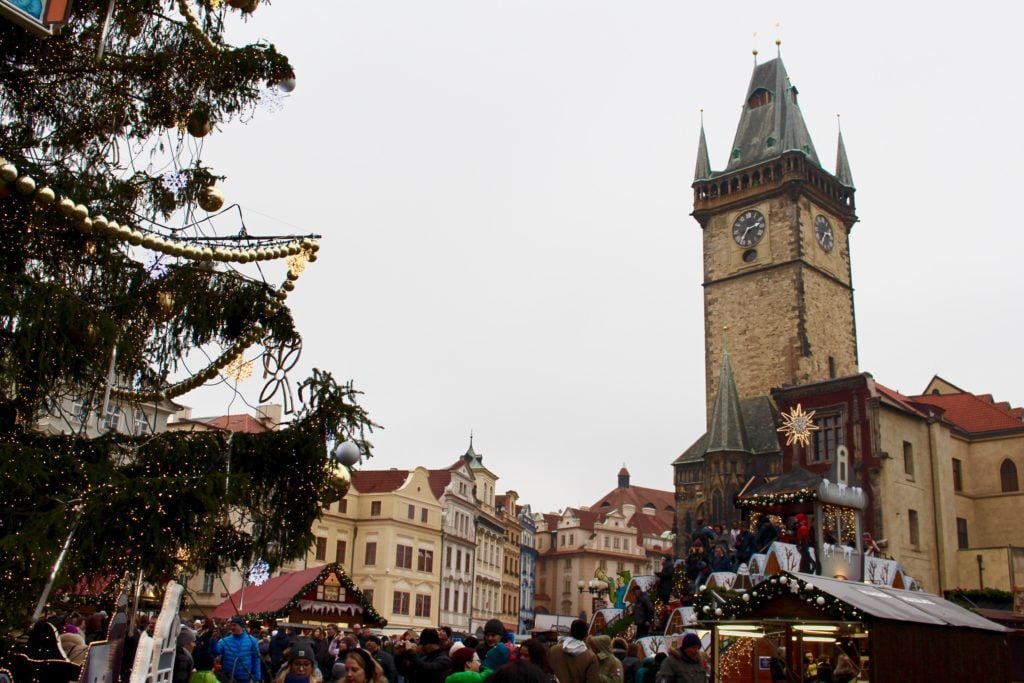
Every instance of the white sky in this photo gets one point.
(503, 190)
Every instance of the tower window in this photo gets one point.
(770, 142)
(1008, 476)
(958, 475)
(736, 153)
(915, 534)
(759, 98)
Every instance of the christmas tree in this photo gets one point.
(125, 281)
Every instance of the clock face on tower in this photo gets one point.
(823, 231)
(748, 228)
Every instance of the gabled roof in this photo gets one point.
(587, 518)
(975, 414)
(777, 126)
(439, 480)
(242, 423)
(379, 481)
(898, 400)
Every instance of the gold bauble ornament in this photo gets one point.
(8, 172)
(45, 195)
(338, 483)
(199, 123)
(25, 185)
(211, 198)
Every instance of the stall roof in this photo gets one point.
(270, 596)
(884, 602)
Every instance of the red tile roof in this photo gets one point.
(975, 414)
(270, 596)
(243, 423)
(664, 503)
(900, 400)
(439, 480)
(378, 481)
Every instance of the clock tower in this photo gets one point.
(776, 225)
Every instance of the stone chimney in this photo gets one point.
(269, 414)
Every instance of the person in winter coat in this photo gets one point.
(239, 654)
(183, 664)
(685, 665)
(429, 665)
(643, 614)
(571, 660)
(610, 668)
(631, 662)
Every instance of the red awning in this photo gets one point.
(271, 596)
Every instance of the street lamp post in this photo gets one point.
(598, 593)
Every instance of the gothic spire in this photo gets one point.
(703, 170)
(771, 122)
(726, 432)
(843, 174)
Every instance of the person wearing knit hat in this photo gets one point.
(494, 630)
(428, 665)
(685, 665)
(183, 664)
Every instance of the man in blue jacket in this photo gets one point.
(239, 654)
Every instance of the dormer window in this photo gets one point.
(759, 98)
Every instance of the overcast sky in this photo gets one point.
(503, 190)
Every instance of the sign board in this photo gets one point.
(39, 16)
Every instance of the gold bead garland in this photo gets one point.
(300, 250)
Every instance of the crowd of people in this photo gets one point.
(241, 653)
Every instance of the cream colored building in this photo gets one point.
(396, 545)
(628, 529)
(490, 543)
(511, 564)
(454, 489)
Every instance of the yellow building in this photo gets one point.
(395, 546)
(511, 568)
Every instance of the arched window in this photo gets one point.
(1008, 476)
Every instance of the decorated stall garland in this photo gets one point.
(715, 605)
(371, 615)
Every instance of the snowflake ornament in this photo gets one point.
(175, 181)
(272, 99)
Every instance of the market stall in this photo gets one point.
(318, 595)
(884, 634)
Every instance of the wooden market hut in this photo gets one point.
(318, 595)
(898, 636)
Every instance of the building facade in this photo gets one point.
(528, 569)
(940, 470)
(454, 489)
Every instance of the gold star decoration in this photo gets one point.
(797, 426)
(297, 263)
(239, 369)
